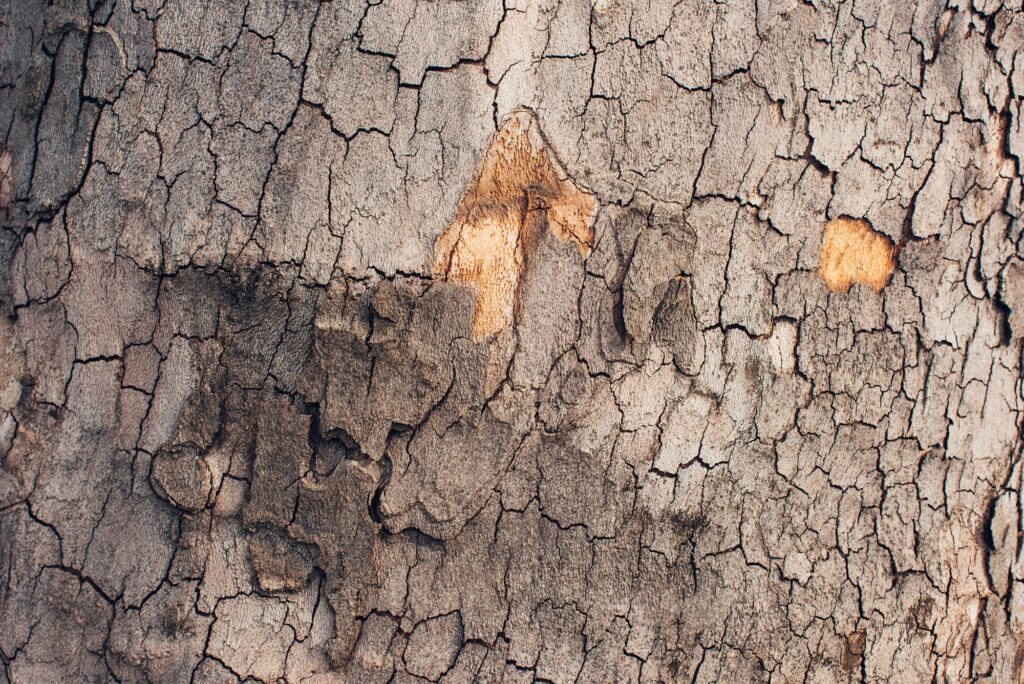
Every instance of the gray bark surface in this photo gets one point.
(511, 341)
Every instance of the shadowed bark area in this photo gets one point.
(511, 341)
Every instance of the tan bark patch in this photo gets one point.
(518, 193)
(944, 21)
(851, 252)
(10, 367)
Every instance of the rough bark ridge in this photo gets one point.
(560, 341)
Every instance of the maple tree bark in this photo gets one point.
(531, 340)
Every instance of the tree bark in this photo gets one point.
(559, 341)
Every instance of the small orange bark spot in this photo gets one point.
(851, 252)
(519, 192)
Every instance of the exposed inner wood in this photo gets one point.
(852, 252)
(518, 193)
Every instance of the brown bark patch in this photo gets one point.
(519, 192)
(852, 252)
(5, 183)
(852, 651)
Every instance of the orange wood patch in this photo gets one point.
(517, 194)
(852, 252)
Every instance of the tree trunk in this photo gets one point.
(512, 341)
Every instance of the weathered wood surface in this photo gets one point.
(511, 341)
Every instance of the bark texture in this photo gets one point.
(511, 340)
